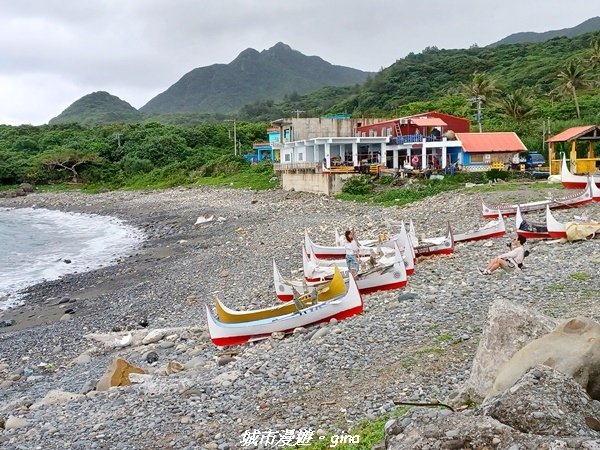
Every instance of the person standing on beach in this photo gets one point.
(352, 252)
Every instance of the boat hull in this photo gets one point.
(224, 334)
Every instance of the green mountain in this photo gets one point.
(97, 108)
(252, 76)
(435, 75)
(588, 26)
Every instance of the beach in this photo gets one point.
(414, 344)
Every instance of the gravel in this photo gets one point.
(414, 345)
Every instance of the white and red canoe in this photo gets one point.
(493, 229)
(567, 201)
(342, 307)
(572, 181)
(338, 251)
(436, 246)
(318, 270)
(556, 229)
(531, 230)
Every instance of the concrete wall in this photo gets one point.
(317, 183)
(310, 128)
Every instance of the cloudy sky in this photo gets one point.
(53, 52)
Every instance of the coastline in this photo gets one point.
(388, 352)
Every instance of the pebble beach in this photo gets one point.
(414, 344)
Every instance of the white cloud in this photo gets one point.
(56, 51)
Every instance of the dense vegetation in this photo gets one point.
(534, 89)
(134, 155)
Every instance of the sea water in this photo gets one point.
(36, 243)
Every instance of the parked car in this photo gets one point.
(534, 159)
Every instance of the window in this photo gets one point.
(300, 156)
(476, 158)
(287, 157)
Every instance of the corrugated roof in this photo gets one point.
(572, 133)
(428, 122)
(502, 141)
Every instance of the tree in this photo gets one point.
(481, 85)
(572, 77)
(594, 54)
(516, 105)
(68, 159)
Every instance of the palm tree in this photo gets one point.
(480, 89)
(573, 76)
(594, 54)
(481, 85)
(516, 105)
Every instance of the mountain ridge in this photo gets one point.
(590, 25)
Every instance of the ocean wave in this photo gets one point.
(42, 245)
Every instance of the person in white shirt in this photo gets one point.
(352, 252)
(509, 260)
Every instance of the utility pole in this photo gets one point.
(297, 111)
(234, 135)
(477, 100)
(118, 135)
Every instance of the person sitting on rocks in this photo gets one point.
(509, 260)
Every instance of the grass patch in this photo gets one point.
(580, 276)
(557, 287)
(369, 432)
(512, 186)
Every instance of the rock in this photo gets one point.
(65, 317)
(509, 328)
(151, 357)
(14, 423)
(224, 360)
(84, 358)
(67, 261)
(117, 374)
(57, 397)
(26, 187)
(321, 333)
(573, 348)
(278, 335)
(154, 336)
(6, 323)
(174, 367)
(532, 403)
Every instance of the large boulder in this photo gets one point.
(117, 374)
(509, 328)
(573, 348)
(545, 401)
(545, 409)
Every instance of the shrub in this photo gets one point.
(496, 174)
(359, 185)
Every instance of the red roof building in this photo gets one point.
(580, 145)
(482, 151)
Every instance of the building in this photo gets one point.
(421, 140)
(300, 129)
(266, 150)
(580, 145)
(483, 151)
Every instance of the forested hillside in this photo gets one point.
(98, 107)
(136, 155)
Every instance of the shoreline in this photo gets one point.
(95, 250)
(412, 347)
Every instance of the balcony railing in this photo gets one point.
(413, 138)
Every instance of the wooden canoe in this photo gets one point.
(531, 230)
(567, 201)
(493, 229)
(572, 181)
(345, 306)
(327, 291)
(556, 229)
